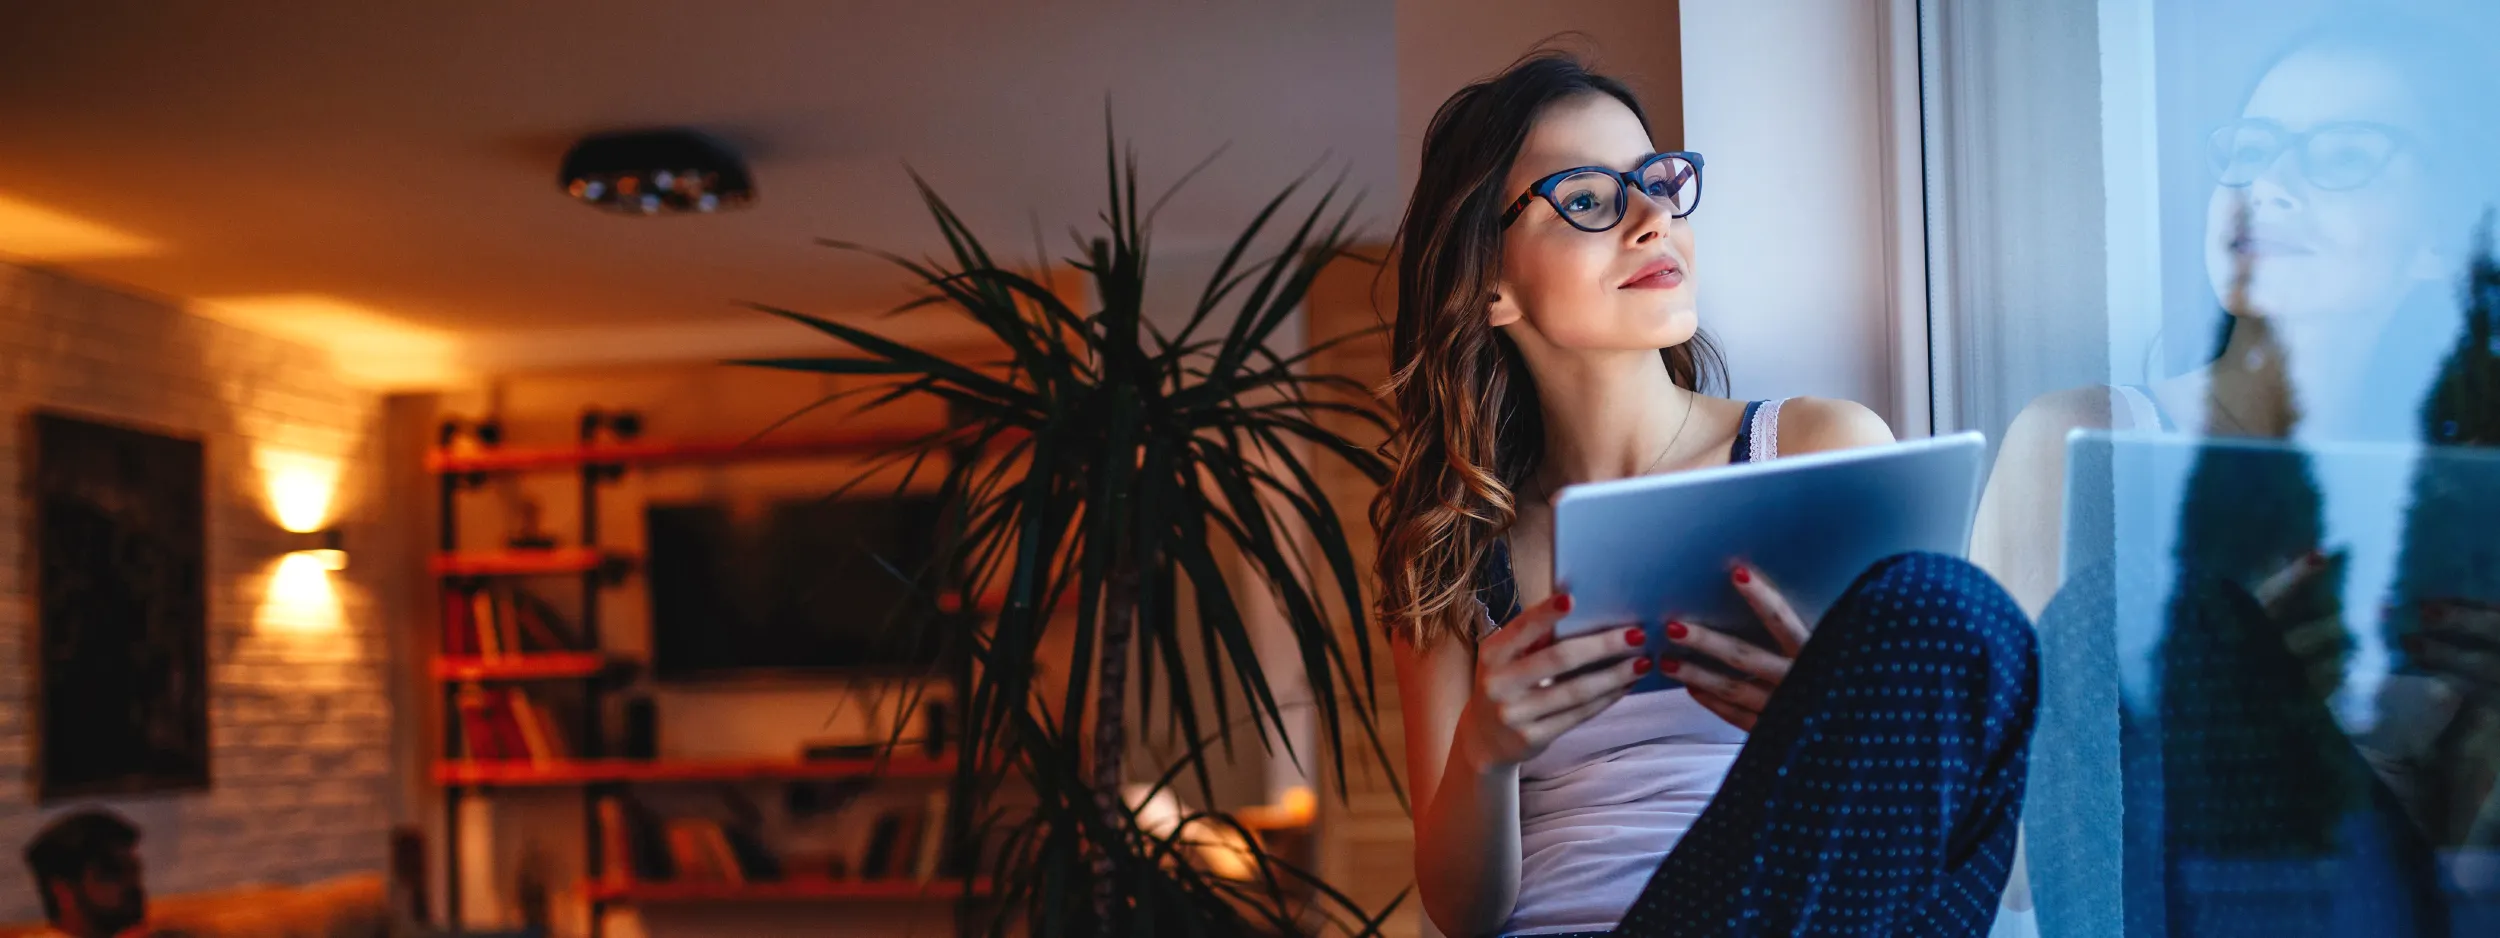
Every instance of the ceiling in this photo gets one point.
(380, 178)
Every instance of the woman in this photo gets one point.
(1546, 336)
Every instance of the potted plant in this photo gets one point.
(1099, 463)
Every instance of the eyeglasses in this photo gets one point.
(1592, 198)
(2335, 157)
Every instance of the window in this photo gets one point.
(2242, 247)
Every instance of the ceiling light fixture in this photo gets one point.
(648, 172)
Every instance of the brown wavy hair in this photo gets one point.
(1469, 432)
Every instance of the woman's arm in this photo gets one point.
(2019, 536)
(1474, 712)
(1466, 815)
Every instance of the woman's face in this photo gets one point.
(2319, 252)
(1629, 287)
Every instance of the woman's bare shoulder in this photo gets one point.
(1819, 424)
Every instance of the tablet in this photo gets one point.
(2401, 519)
(1650, 548)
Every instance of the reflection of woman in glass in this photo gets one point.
(2332, 241)
(2337, 195)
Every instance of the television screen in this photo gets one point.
(809, 585)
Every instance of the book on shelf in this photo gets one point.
(554, 731)
(647, 843)
(539, 728)
(640, 847)
(507, 632)
(879, 849)
(616, 844)
(754, 859)
(505, 724)
(477, 734)
(541, 629)
(685, 855)
(742, 831)
(924, 867)
(526, 723)
(498, 621)
(551, 739)
(482, 620)
(715, 845)
(702, 851)
(508, 725)
(893, 843)
(459, 635)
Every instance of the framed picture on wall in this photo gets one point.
(121, 604)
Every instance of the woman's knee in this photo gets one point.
(1921, 595)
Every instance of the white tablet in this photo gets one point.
(1651, 548)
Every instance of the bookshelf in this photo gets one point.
(511, 563)
(538, 666)
(517, 773)
(503, 645)
(862, 442)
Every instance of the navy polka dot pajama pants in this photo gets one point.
(1880, 791)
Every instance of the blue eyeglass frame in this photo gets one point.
(1631, 181)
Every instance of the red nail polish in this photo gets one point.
(1669, 665)
(1562, 602)
(1634, 636)
(1675, 630)
(1640, 666)
(1742, 575)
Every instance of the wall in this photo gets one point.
(1444, 44)
(299, 712)
(1781, 97)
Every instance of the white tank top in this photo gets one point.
(1602, 805)
(1605, 802)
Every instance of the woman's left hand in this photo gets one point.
(1740, 697)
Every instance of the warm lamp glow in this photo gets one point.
(37, 233)
(300, 488)
(1220, 848)
(1298, 805)
(1294, 807)
(301, 597)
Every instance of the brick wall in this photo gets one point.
(300, 727)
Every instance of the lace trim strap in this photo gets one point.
(1765, 432)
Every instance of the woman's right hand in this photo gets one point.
(2313, 631)
(1522, 701)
